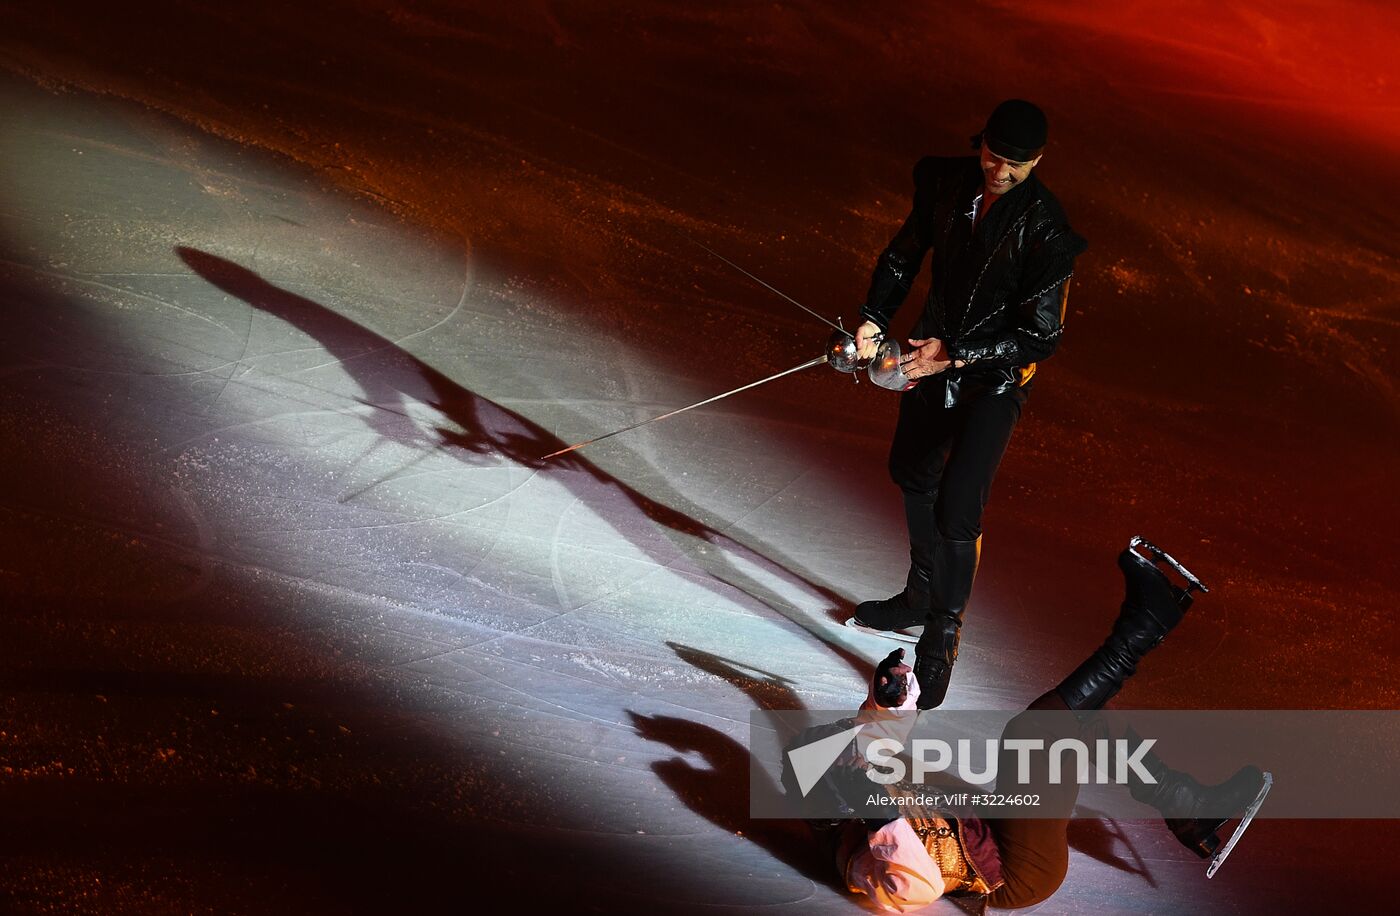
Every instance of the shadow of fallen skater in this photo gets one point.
(724, 792)
(1100, 838)
(721, 792)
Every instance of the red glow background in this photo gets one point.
(1228, 377)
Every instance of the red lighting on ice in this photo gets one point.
(1333, 61)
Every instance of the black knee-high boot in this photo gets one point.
(954, 569)
(910, 607)
(1152, 606)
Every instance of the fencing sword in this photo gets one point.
(822, 318)
(840, 354)
(807, 365)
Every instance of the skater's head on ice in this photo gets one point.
(1011, 145)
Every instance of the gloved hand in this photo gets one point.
(890, 685)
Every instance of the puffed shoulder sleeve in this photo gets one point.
(895, 870)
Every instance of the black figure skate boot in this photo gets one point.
(955, 568)
(1194, 812)
(1152, 606)
(899, 612)
(910, 607)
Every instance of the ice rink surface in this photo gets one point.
(295, 618)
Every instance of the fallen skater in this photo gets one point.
(908, 859)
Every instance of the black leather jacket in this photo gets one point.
(998, 295)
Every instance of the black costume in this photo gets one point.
(997, 302)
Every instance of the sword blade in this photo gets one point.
(767, 285)
(807, 365)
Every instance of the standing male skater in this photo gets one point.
(1003, 253)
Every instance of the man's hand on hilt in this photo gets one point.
(891, 683)
(868, 337)
(925, 357)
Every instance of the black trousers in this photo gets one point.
(949, 455)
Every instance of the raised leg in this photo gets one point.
(1152, 607)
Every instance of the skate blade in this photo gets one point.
(1249, 813)
(1157, 553)
(897, 635)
